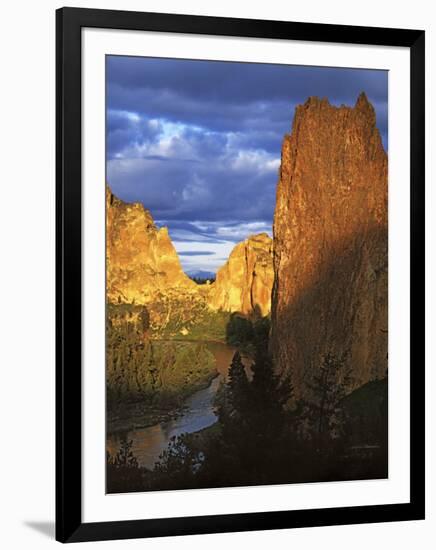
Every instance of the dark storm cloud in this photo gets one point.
(198, 142)
(222, 95)
(242, 82)
(174, 191)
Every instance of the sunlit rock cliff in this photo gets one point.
(143, 268)
(140, 258)
(245, 281)
(331, 244)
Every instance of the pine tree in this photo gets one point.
(270, 392)
(269, 395)
(238, 385)
(329, 387)
(233, 404)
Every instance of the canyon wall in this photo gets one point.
(243, 284)
(143, 268)
(141, 260)
(330, 292)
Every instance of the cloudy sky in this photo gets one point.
(198, 142)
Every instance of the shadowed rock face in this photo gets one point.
(140, 258)
(331, 244)
(245, 281)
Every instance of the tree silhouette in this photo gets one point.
(239, 331)
(125, 456)
(238, 385)
(270, 391)
(328, 387)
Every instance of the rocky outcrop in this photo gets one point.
(331, 244)
(141, 260)
(143, 268)
(245, 281)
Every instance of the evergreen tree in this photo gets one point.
(238, 386)
(233, 398)
(269, 395)
(239, 331)
(261, 330)
(270, 392)
(329, 387)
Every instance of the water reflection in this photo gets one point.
(148, 443)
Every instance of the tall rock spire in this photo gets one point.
(331, 244)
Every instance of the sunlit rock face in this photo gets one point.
(141, 260)
(245, 281)
(331, 244)
(143, 267)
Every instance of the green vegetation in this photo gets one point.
(203, 280)
(259, 441)
(123, 470)
(263, 436)
(124, 456)
(210, 326)
(247, 334)
(186, 317)
(366, 412)
(158, 374)
(323, 410)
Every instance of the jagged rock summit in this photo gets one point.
(143, 267)
(243, 284)
(331, 244)
(140, 258)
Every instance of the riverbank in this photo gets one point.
(149, 443)
(148, 379)
(152, 428)
(134, 416)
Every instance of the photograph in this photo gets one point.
(217, 219)
(246, 274)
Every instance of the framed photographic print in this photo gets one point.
(240, 274)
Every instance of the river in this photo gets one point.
(198, 413)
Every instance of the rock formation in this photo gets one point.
(140, 258)
(331, 244)
(143, 268)
(245, 281)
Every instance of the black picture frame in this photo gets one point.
(69, 525)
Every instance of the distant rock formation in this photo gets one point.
(331, 244)
(142, 267)
(245, 281)
(140, 258)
